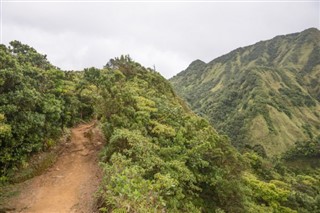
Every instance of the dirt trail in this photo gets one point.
(69, 185)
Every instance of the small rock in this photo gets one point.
(85, 153)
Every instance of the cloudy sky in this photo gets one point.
(164, 34)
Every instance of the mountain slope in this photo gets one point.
(266, 94)
(159, 156)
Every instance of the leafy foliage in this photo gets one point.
(160, 156)
(37, 101)
(275, 186)
(305, 149)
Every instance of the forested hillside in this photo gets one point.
(37, 102)
(159, 155)
(264, 96)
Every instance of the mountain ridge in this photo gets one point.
(276, 78)
(158, 156)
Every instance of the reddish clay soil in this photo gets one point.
(70, 184)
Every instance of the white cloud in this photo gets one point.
(167, 35)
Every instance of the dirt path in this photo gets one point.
(70, 184)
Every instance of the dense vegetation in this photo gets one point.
(37, 102)
(264, 96)
(159, 156)
(304, 149)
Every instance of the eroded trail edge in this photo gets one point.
(69, 185)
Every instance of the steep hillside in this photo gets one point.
(158, 157)
(264, 96)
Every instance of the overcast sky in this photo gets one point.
(169, 35)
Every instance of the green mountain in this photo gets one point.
(265, 96)
(159, 156)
